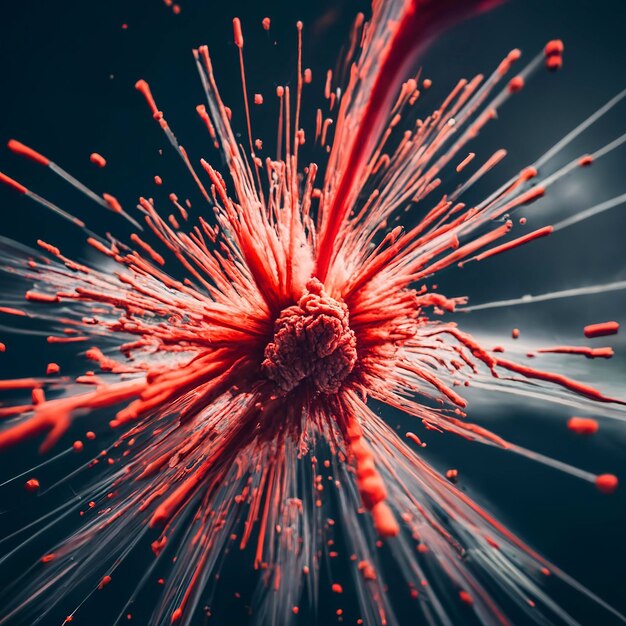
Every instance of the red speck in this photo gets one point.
(583, 425)
(31, 485)
(516, 84)
(104, 582)
(97, 159)
(466, 597)
(607, 483)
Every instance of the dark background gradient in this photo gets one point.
(67, 75)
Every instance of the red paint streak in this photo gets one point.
(558, 379)
(29, 153)
(514, 243)
(420, 22)
(12, 183)
(601, 330)
(590, 353)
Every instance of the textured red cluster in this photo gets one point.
(312, 342)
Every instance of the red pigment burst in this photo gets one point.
(243, 392)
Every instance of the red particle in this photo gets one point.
(113, 203)
(237, 32)
(295, 610)
(266, 23)
(97, 159)
(144, 89)
(384, 520)
(2, 347)
(554, 62)
(415, 439)
(176, 9)
(466, 597)
(427, 83)
(554, 47)
(176, 615)
(104, 582)
(452, 475)
(31, 485)
(53, 368)
(583, 425)
(337, 588)
(515, 333)
(516, 84)
(308, 76)
(465, 162)
(367, 570)
(90, 435)
(258, 98)
(601, 329)
(124, 26)
(78, 445)
(554, 54)
(606, 483)
(585, 161)
(158, 180)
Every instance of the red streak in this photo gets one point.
(19, 148)
(12, 183)
(601, 329)
(420, 22)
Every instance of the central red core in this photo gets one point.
(312, 343)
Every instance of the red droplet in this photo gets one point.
(97, 159)
(582, 425)
(606, 483)
(32, 484)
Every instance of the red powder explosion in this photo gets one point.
(243, 393)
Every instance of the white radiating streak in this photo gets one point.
(613, 412)
(37, 467)
(553, 295)
(590, 212)
(580, 129)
